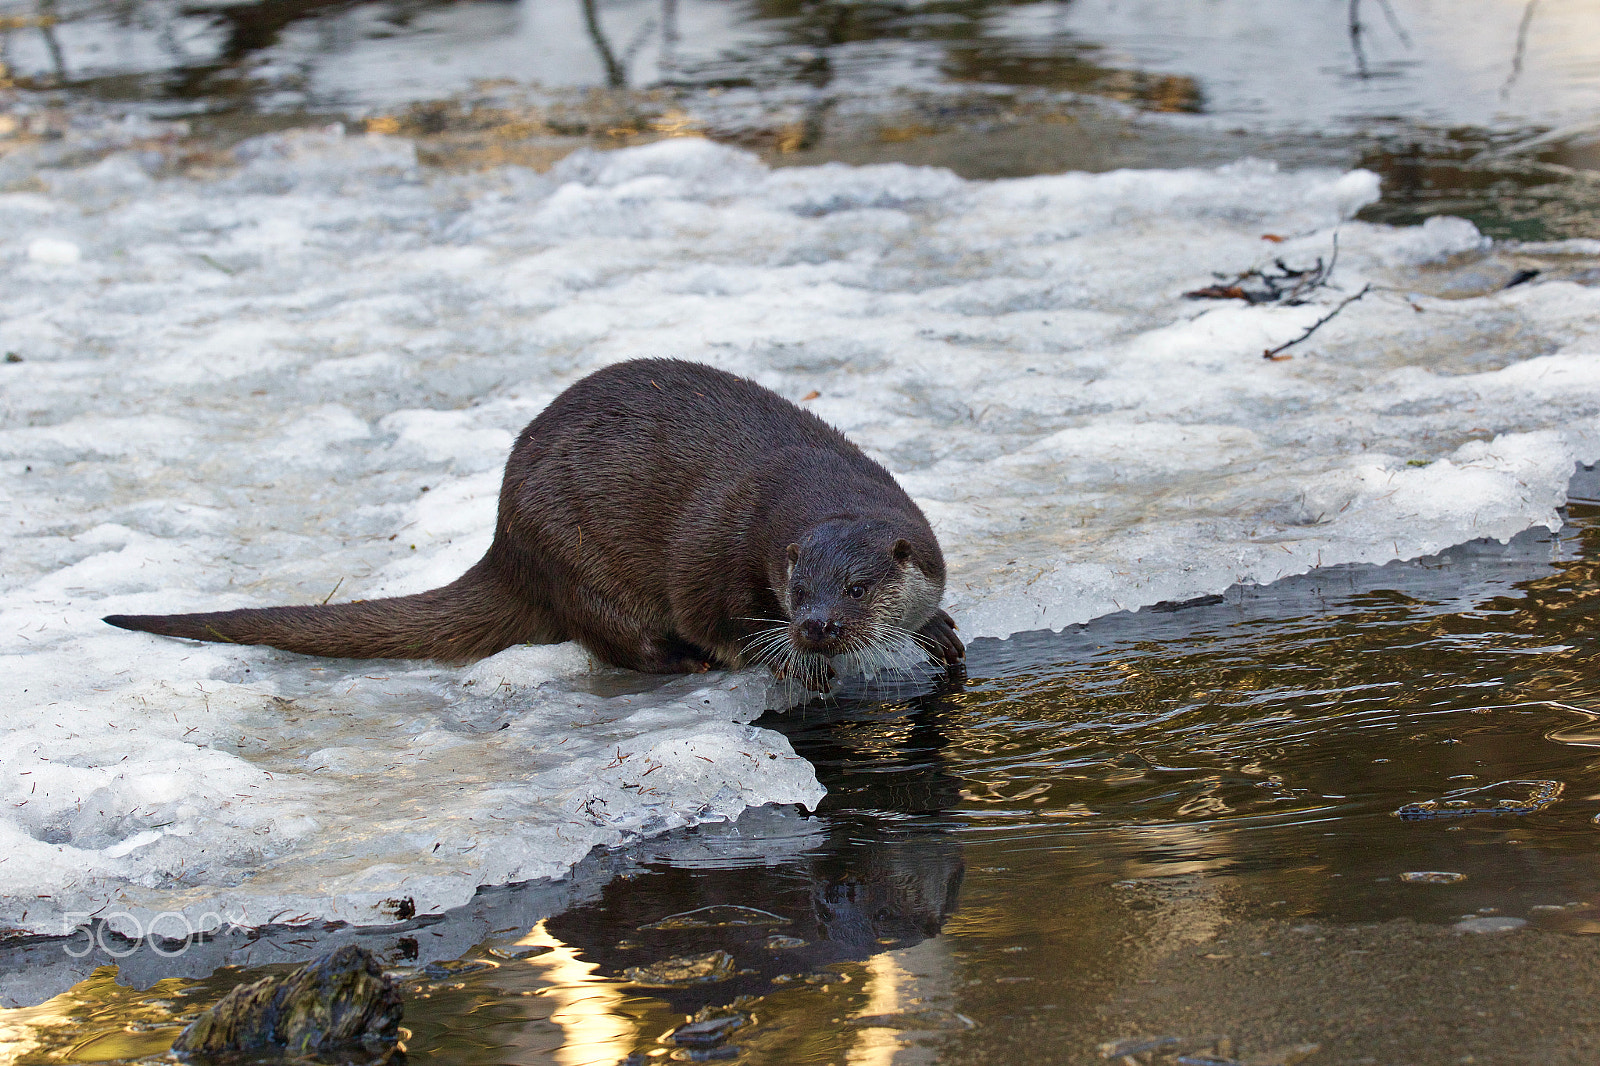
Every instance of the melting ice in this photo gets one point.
(298, 377)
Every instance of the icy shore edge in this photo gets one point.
(303, 375)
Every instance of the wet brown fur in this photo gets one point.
(647, 513)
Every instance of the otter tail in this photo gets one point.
(473, 616)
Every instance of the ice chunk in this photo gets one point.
(1437, 238)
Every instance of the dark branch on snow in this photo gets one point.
(1275, 354)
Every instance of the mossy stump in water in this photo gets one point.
(341, 1000)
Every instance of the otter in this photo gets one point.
(670, 517)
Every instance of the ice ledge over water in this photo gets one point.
(370, 797)
(300, 378)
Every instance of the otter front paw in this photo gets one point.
(673, 656)
(938, 638)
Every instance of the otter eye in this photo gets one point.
(855, 592)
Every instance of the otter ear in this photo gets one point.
(793, 553)
(901, 550)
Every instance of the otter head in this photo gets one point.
(855, 586)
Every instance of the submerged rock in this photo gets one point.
(1432, 877)
(683, 970)
(706, 1031)
(1489, 925)
(519, 951)
(457, 967)
(338, 1001)
(932, 1019)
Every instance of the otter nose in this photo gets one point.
(818, 630)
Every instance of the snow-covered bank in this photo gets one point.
(303, 375)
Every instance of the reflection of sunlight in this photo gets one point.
(885, 985)
(18, 1025)
(587, 1008)
(902, 982)
(90, 1022)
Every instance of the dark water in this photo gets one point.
(993, 854)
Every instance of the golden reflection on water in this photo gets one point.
(902, 982)
(885, 983)
(596, 1031)
(96, 1020)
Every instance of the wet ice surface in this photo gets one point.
(300, 379)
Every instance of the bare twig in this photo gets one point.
(616, 75)
(1357, 29)
(47, 29)
(1287, 285)
(1521, 49)
(1394, 23)
(638, 42)
(1275, 354)
(669, 39)
(1355, 38)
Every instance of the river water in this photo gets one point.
(1482, 108)
(1353, 808)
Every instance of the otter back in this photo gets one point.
(646, 512)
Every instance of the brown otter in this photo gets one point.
(669, 517)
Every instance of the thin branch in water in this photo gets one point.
(616, 76)
(1394, 23)
(47, 29)
(1521, 49)
(1355, 39)
(638, 42)
(669, 39)
(1357, 28)
(1276, 354)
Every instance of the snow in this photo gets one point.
(51, 250)
(298, 379)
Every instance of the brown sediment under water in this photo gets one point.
(1353, 810)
